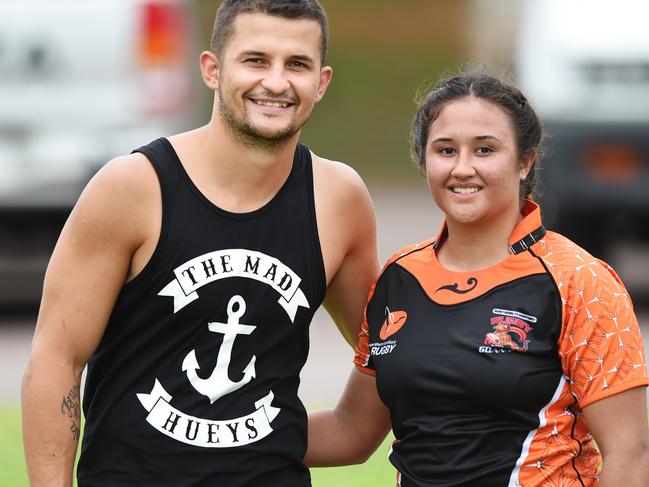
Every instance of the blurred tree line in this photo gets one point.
(382, 52)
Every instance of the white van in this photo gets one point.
(80, 83)
(584, 64)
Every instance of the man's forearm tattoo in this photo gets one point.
(71, 408)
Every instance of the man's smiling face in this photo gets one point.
(270, 77)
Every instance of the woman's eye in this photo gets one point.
(484, 150)
(447, 151)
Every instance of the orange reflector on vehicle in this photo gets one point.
(164, 80)
(612, 163)
(163, 39)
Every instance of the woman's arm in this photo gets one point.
(619, 425)
(352, 431)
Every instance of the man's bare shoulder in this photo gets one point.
(343, 204)
(123, 181)
(127, 173)
(122, 199)
(339, 178)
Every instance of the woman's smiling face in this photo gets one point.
(472, 163)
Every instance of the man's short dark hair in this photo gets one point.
(288, 9)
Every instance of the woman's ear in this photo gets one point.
(526, 167)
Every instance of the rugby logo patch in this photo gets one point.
(393, 323)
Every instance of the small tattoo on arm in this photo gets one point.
(71, 408)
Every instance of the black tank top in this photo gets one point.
(195, 380)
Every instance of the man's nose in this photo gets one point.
(276, 81)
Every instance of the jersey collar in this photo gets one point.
(528, 231)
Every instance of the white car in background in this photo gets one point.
(80, 82)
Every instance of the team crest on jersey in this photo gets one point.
(509, 333)
(394, 321)
(215, 384)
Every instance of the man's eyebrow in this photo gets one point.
(252, 53)
(296, 57)
(302, 57)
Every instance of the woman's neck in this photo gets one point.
(470, 247)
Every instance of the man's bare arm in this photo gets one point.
(90, 263)
(347, 227)
(352, 431)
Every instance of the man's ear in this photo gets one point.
(325, 78)
(210, 69)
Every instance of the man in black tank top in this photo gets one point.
(188, 273)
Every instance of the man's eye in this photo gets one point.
(254, 60)
(297, 64)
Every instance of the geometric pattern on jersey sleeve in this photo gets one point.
(362, 358)
(600, 346)
(562, 452)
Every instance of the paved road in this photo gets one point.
(404, 216)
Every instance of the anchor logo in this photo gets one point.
(218, 384)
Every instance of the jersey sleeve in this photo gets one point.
(601, 347)
(363, 358)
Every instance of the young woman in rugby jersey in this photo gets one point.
(501, 354)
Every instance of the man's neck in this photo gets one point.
(232, 175)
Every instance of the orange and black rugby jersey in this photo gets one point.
(486, 373)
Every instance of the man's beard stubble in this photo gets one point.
(245, 132)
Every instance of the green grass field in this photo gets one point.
(12, 461)
(376, 472)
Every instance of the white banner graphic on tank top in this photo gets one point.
(207, 433)
(223, 264)
(189, 278)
